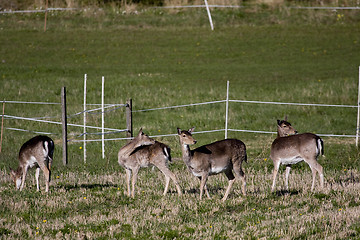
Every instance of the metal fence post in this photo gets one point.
(227, 110)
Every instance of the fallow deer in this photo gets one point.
(157, 154)
(214, 158)
(144, 152)
(36, 152)
(290, 148)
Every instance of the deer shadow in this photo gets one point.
(212, 190)
(281, 193)
(69, 187)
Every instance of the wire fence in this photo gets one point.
(42, 119)
(117, 106)
(129, 111)
(185, 6)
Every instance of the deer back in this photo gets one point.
(150, 154)
(40, 147)
(221, 152)
(302, 145)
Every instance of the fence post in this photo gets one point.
(85, 79)
(209, 15)
(2, 125)
(358, 114)
(227, 110)
(46, 10)
(129, 122)
(64, 125)
(102, 117)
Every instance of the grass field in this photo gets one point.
(161, 58)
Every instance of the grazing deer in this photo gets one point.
(214, 158)
(157, 154)
(37, 152)
(290, 148)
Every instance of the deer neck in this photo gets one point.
(280, 134)
(186, 152)
(18, 171)
(128, 148)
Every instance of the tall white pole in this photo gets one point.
(102, 118)
(209, 15)
(85, 79)
(358, 114)
(227, 110)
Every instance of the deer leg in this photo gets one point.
(287, 173)
(46, 172)
(128, 176)
(23, 177)
(168, 174)
(239, 173)
(167, 178)
(37, 174)
(313, 178)
(49, 163)
(321, 175)
(275, 172)
(203, 184)
(167, 182)
(207, 192)
(134, 178)
(316, 167)
(231, 178)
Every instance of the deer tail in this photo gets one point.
(245, 157)
(320, 145)
(167, 153)
(46, 147)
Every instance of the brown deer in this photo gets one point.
(36, 152)
(157, 154)
(214, 158)
(291, 148)
(140, 140)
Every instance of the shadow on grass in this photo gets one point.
(94, 186)
(281, 193)
(212, 190)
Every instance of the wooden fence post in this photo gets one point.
(2, 125)
(46, 10)
(129, 123)
(64, 126)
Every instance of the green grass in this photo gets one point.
(163, 58)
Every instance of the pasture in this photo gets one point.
(160, 58)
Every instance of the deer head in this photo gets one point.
(142, 139)
(186, 136)
(284, 128)
(16, 178)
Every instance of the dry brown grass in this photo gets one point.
(96, 206)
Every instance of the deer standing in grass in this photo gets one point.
(36, 152)
(222, 156)
(143, 155)
(291, 148)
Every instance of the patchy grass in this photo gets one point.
(96, 206)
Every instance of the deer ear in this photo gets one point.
(191, 129)
(278, 122)
(285, 118)
(140, 132)
(179, 131)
